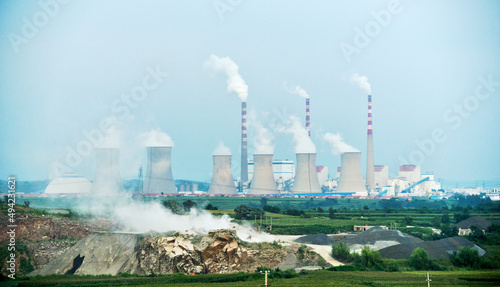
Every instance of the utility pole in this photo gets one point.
(428, 280)
(265, 279)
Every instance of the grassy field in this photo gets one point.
(311, 278)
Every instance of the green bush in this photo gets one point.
(392, 266)
(370, 258)
(340, 251)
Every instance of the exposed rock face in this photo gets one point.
(220, 251)
(170, 254)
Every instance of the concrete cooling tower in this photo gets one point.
(351, 179)
(222, 176)
(107, 179)
(306, 177)
(263, 177)
(159, 176)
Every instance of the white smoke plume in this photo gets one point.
(337, 144)
(263, 138)
(222, 150)
(362, 82)
(112, 136)
(303, 142)
(297, 90)
(155, 137)
(141, 217)
(235, 83)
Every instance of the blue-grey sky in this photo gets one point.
(433, 66)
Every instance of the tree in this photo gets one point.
(245, 212)
(407, 220)
(340, 251)
(466, 257)
(448, 231)
(436, 221)
(331, 213)
(188, 204)
(366, 207)
(419, 259)
(370, 258)
(211, 207)
(445, 218)
(393, 266)
(320, 210)
(272, 209)
(263, 201)
(476, 234)
(174, 206)
(461, 215)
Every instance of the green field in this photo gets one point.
(310, 278)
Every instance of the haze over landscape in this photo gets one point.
(432, 66)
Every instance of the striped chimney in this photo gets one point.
(370, 165)
(308, 118)
(244, 155)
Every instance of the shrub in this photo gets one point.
(340, 251)
(392, 266)
(370, 258)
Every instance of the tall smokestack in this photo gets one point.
(370, 165)
(107, 179)
(308, 128)
(263, 177)
(351, 179)
(222, 176)
(159, 176)
(306, 177)
(244, 155)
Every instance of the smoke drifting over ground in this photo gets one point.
(303, 142)
(155, 138)
(362, 82)
(222, 150)
(136, 216)
(337, 144)
(297, 90)
(262, 136)
(235, 83)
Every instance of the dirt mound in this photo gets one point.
(317, 239)
(436, 249)
(378, 238)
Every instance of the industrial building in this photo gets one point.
(159, 176)
(69, 183)
(263, 181)
(306, 179)
(381, 175)
(351, 179)
(222, 176)
(107, 179)
(410, 173)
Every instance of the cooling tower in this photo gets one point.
(159, 171)
(107, 179)
(244, 155)
(351, 179)
(222, 176)
(370, 165)
(308, 118)
(263, 177)
(306, 177)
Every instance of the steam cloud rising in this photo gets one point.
(262, 136)
(235, 83)
(222, 150)
(362, 82)
(303, 142)
(337, 144)
(155, 138)
(297, 90)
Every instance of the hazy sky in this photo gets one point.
(433, 66)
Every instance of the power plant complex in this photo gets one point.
(261, 176)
